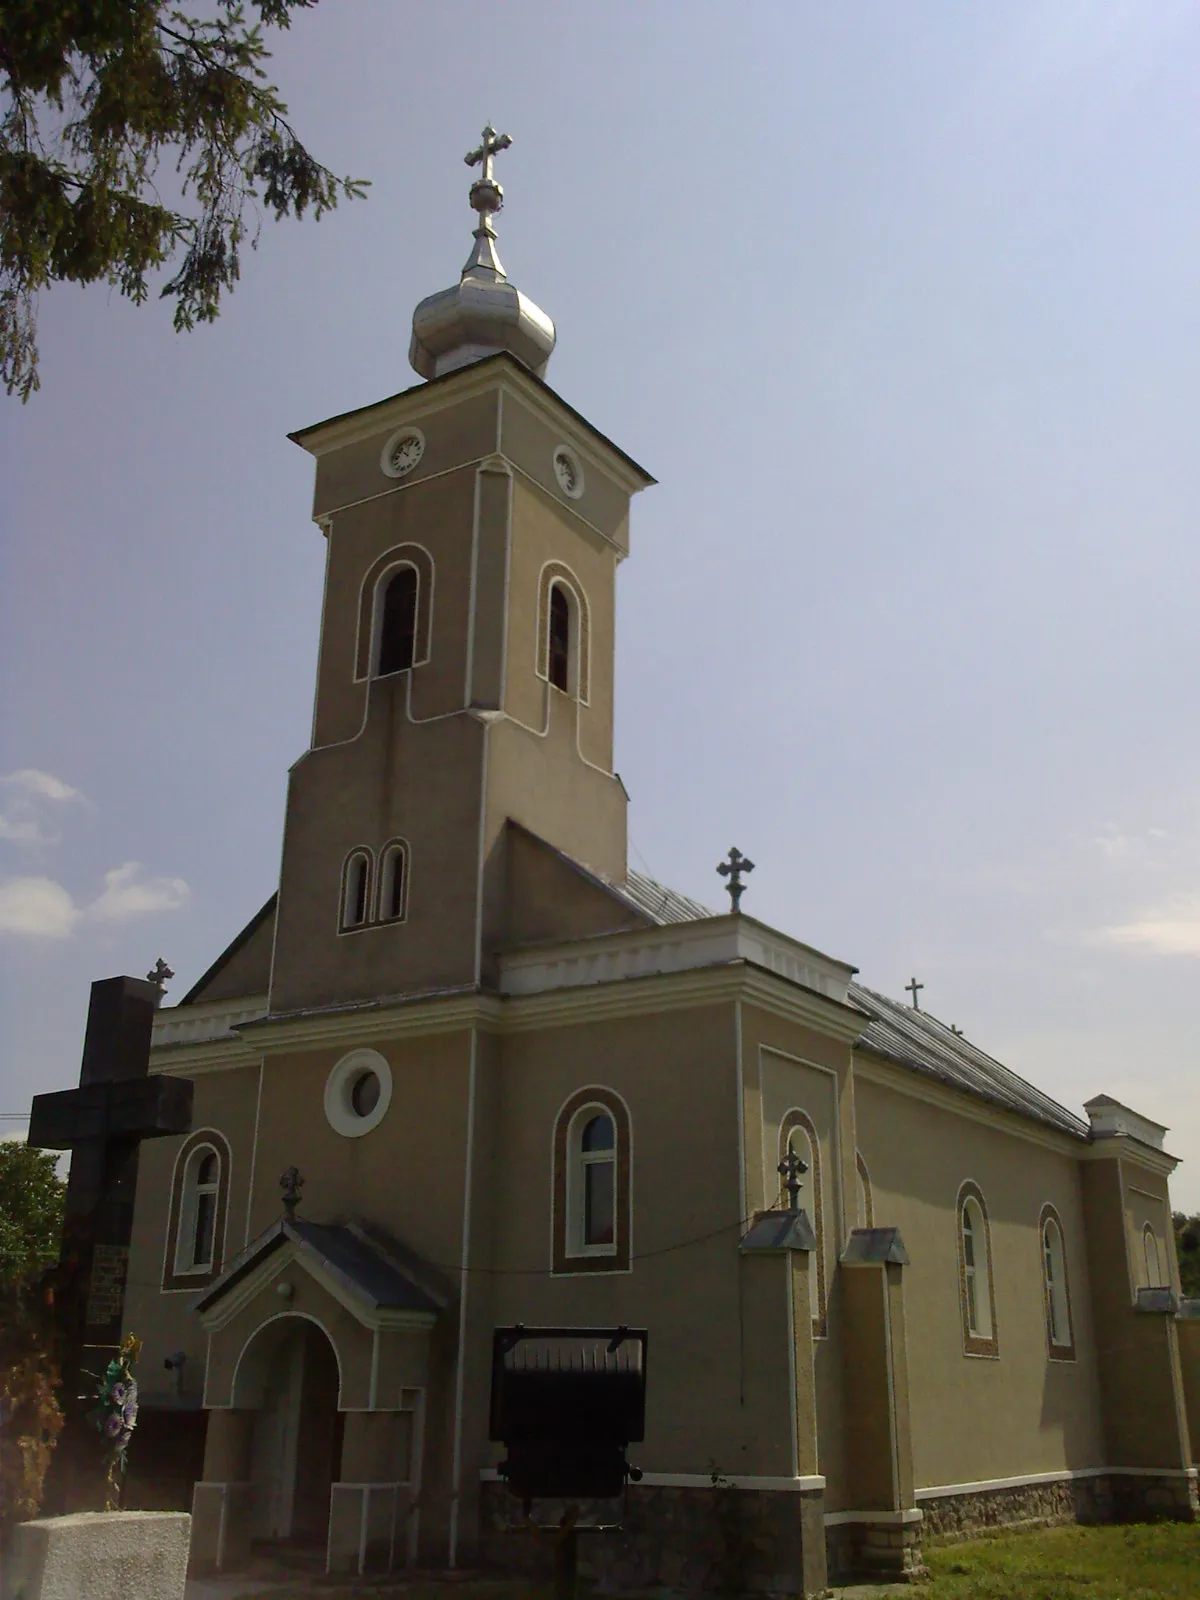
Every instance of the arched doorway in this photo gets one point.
(288, 1374)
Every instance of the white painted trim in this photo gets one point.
(262, 1066)
(472, 584)
(835, 1138)
(339, 1113)
(987, 1485)
(883, 1519)
(344, 926)
(302, 1316)
(504, 632)
(327, 523)
(704, 1480)
(574, 1244)
(576, 1255)
(574, 464)
(205, 1023)
(171, 1247)
(460, 1373)
(580, 690)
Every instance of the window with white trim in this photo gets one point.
(393, 882)
(591, 1184)
(1054, 1274)
(396, 628)
(356, 890)
(558, 651)
(195, 1247)
(976, 1282)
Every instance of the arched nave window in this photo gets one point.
(1056, 1287)
(591, 1183)
(196, 1220)
(977, 1294)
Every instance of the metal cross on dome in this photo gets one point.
(733, 869)
(486, 194)
(791, 1169)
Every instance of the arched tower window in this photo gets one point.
(1059, 1335)
(591, 1184)
(397, 622)
(563, 636)
(356, 890)
(977, 1293)
(395, 611)
(393, 882)
(559, 648)
(798, 1133)
(199, 1201)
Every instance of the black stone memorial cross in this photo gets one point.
(102, 1123)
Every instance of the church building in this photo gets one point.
(466, 1069)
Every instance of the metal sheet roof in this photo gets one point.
(911, 1038)
(917, 1040)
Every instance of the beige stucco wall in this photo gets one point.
(165, 1321)
(1036, 1415)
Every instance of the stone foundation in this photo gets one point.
(696, 1540)
(1116, 1497)
(879, 1552)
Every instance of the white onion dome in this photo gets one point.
(483, 313)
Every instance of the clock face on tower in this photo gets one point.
(402, 452)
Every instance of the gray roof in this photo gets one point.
(915, 1039)
(911, 1038)
(343, 1252)
(659, 903)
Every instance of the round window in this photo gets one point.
(357, 1093)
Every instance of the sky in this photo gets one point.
(898, 303)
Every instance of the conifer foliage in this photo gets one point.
(133, 135)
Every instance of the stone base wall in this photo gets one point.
(879, 1552)
(1112, 1498)
(697, 1540)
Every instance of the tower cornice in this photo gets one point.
(501, 372)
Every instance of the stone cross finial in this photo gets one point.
(914, 988)
(159, 975)
(791, 1169)
(733, 869)
(291, 1183)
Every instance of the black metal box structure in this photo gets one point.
(567, 1402)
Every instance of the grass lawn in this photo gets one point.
(1158, 1561)
(1139, 1562)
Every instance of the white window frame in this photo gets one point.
(395, 850)
(976, 1268)
(1058, 1299)
(377, 602)
(189, 1207)
(345, 924)
(578, 1162)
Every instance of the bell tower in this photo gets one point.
(474, 525)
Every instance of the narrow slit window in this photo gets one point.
(355, 892)
(1058, 1310)
(398, 624)
(560, 638)
(394, 891)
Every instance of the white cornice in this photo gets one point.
(1133, 1151)
(673, 947)
(404, 1017)
(468, 384)
(205, 1021)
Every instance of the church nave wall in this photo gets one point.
(1042, 1414)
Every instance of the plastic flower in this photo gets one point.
(112, 1425)
(117, 1394)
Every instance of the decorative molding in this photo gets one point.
(677, 947)
(878, 1519)
(943, 1491)
(340, 1111)
(813, 1484)
(205, 1021)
